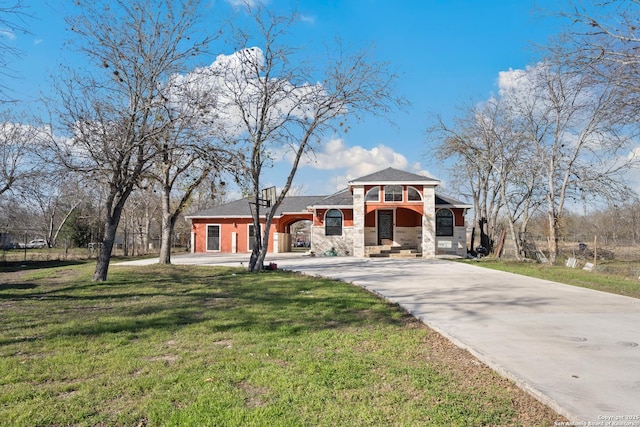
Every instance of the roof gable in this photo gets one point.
(442, 200)
(391, 175)
(342, 198)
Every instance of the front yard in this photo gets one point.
(218, 346)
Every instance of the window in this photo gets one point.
(444, 222)
(393, 193)
(333, 223)
(413, 195)
(213, 237)
(373, 195)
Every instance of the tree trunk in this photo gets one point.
(167, 229)
(165, 244)
(553, 237)
(102, 266)
(264, 248)
(254, 265)
(166, 234)
(516, 242)
(144, 239)
(253, 261)
(485, 237)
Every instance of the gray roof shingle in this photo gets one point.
(242, 208)
(342, 198)
(442, 200)
(394, 175)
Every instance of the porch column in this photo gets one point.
(358, 221)
(429, 223)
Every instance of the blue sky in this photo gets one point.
(445, 52)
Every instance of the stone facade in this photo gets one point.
(428, 244)
(453, 245)
(358, 222)
(343, 244)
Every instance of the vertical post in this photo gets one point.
(429, 222)
(595, 251)
(358, 221)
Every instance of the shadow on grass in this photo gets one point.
(13, 266)
(218, 300)
(13, 286)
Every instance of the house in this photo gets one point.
(389, 211)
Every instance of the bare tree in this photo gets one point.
(52, 198)
(516, 165)
(141, 211)
(12, 20)
(19, 145)
(475, 153)
(554, 133)
(190, 152)
(269, 104)
(114, 118)
(575, 125)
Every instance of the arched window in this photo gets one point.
(444, 222)
(393, 193)
(413, 195)
(373, 195)
(333, 223)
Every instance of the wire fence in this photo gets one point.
(29, 245)
(619, 256)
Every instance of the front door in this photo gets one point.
(385, 226)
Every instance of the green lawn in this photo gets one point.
(178, 345)
(610, 276)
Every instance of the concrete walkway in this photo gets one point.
(575, 349)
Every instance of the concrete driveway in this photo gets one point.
(575, 349)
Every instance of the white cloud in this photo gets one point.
(8, 34)
(306, 18)
(245, 3)
(354, 162)
(234, 80)
(358, 161)
(237, 73)
(634, 154)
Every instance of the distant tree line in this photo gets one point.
(558, 135)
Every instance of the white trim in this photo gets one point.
(367, 193)
(206, 247)
(217, 216)
(419, 194)
(450, 206)
(425, 182)
(401, 193)
(339, 207)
